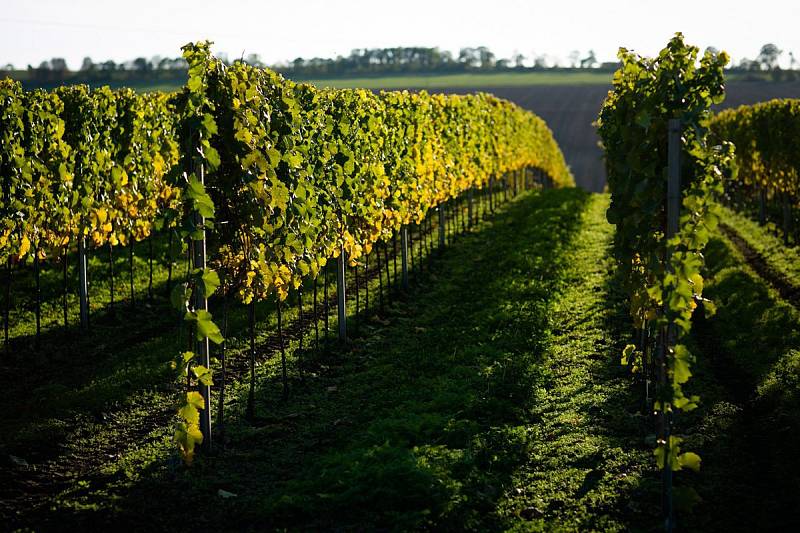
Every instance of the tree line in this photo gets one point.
(371, 61)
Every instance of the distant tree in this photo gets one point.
(44, 65)
(446, 58)
(177, 63)
(141, 64)
(58, 64)
(792, 61)
(7, 67)
(503, 64)
(574, 57)
(768, 56)
(469, 57)
(540, 61)
(713, 50)
(253, 60)
(589, 61)
(749, 64)
(486, 57)
(87, 65)
(519, 60)
(108, 66)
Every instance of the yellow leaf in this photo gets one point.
(24, 246)
(195, 398)
(190, 413)
(282, 292)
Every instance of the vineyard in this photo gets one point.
(282, 307)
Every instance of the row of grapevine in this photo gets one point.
(663, 173)
(767, 139)
(264, 179)
(80, 162)
(297, 174)
(293, 176)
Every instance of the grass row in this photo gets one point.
(767, 243)
(748, 378)
(83, 396)
(490, 397)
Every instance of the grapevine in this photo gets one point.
(266, 178)
(663, 276)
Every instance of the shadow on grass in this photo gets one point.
(84, 398)
(746, 429)
(590, 469)
(419, 422)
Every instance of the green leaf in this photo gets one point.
(293, 160)
(201, 200)
(279, 194)
(209, 282)
(62, 172)
(194, 83)
(203, 375)
(274, 157)
(680, 367)
(209, 124)
(207, 328)
(689, 460)
(212, 156)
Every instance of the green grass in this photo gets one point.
(419, 81)
(467, 81)
(766, 241)
(755, 326)
(472, 80)
(489, 398)
(747, 376)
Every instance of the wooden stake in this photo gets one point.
(283, 354)
(83, 287)
(341, 265)
(404, 255)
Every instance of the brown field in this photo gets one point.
(570, 110)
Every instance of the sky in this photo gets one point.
(34, 30)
